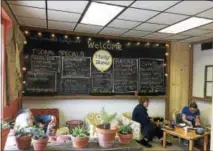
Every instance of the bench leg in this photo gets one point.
(164, 139)
(191, 145)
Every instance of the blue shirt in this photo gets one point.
(190, 116)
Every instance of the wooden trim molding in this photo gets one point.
(191, 61)
(120, 97)
(206, 99)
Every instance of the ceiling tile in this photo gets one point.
(166, 18)
(209, 26)
(154, 5)
(70, 6)
(195, 32)
(207, 14)
(123, 24)
(122, 3)
(61, 25)
(177, 37)
(157, 35)
(39, 4)
(137, 14)
(135, 33)
(113, 31)
(63, 16)
(191, 7)
(32, 22)
(195, 39)
(150, 27)
(88, 28)
(23, 11)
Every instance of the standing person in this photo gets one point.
(191, 115)
(148, 128)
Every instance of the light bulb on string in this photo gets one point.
(78, 38)
(89, 39)
(167, 54)
(24, 82)
(23, 92)
(167, 45)
(53, 35)
(108, 41)
(39, 34)
(26, 32)
(65, 37)
(164, 64)
(24, 68)
(128, 44)
(25, 42)
(166, 75)
(138, 43)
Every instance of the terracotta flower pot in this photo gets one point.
(125, 138)
(23, 142)
(106, 137)
(40, 144)
(4, 133)
(80, 142)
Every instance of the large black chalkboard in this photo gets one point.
(151, 78)
(70, 60)
(125, 73)
(74, 86)
(40, 82)
(76, 67)
(45, 63)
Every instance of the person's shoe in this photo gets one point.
(145, 143)
(167, 143)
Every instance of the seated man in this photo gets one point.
(191, 115)
(148, 128)
(47, 122)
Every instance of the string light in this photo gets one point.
(39, 34)
(53, 35)
(167, 45)
(77, 38)
(164, 65)
(128, 44)
(118, 43)
(166, 75)
(26, 32)
(167, 54)
(147, 44)
(190, 46)
(156, 45)
(25, 42)
(24, 82)
(24, 68)
(23, 92)
(138, 43)
(65, 37)
(89, 39)
(26, 57)
(108, 41)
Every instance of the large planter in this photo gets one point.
(4, 133)
(106, 137)
(125, 138)
(40, 144)
(80, 142)
(23, 142)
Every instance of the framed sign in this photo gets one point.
(208, 81)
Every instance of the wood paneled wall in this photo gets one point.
(179, 76)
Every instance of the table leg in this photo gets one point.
(205, 143)
(164, 139)
(191, 145)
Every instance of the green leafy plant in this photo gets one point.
(4, 125)
(106, 118)
(80, 132)
(125, 129)
(19, 132)
(39, 133)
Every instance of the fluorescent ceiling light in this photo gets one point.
(186, 25)
(100, 14)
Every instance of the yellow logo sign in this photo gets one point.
(102, 60)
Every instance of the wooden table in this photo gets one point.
(190, 135)
(93, 146)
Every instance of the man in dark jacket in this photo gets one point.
(148, 128)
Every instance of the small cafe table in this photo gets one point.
(190, 135)
(92, 146)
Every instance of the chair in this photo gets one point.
(136, 127)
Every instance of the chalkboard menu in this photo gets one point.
(45, 63)
(76, 67)
(75, 86)
(151, 76)
(125, 75)
(38, 82)
(64, 66)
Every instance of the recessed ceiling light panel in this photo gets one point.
(100, 14)
(186, 25)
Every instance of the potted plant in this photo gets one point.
(125, 134)
(40, 139)
(23, 138)
(80, 136)
(106, 134)
(5, 129)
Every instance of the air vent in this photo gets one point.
(206, 46)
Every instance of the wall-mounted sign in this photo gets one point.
(102, 60)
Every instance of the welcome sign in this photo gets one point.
(102, 60)
(104, 45)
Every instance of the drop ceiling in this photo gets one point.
(138, 19)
